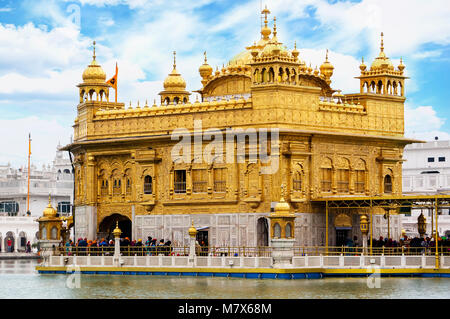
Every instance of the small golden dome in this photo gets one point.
(192, 231)
(205, 69)
(401, 66)
(382, 62)
(94, 72)
(316, 71)
(327, 68)
(362, 67)
(117, 232)
(174, 81)
(295, 53)
(49, 211)
(282, 207)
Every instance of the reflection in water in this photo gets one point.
(18, 279)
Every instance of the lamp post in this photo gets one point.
(364, 226)
(192, 233)
(421, 225)
(117, 232)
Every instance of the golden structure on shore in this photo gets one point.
(330, 145)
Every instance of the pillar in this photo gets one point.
(192, 233)
(117, 232)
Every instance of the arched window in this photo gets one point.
(128, 186)
(104, 188)
(117, 187)
(288, 230)
(297, 182)
(176, 100)
(388, 184)
(148, 184)
(54, 233)
(380, 87)
(277, 230)
(360, 182)
(326, 172)
(44, 233)
(343, 178)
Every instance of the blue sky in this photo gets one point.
(45, 46)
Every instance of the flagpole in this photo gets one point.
(29, 155)
(115, 90)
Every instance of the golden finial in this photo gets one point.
(326, 57)
(138, 104)
(265, 12)
(206, 61)
(295, 44)
(382, 42)
(174, 60)
(274, 26)
(146, 104)
(93, 57)
(49, 200)
(154, 102)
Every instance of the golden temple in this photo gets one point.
(330, 145)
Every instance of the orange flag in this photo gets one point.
(113, 81)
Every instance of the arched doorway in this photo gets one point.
(262, 232)
(22, 240)
(9, 242)
(343, 225)
(108, 224)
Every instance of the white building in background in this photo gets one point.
(426, 171)
(55, 180)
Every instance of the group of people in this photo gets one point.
(10, 246)
(101, 246)
(414, 245)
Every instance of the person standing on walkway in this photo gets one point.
(9, 245)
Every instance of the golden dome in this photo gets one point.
(382, 62)
(174, 81)
(94, 72)
(49, 211)
(205, 69)
(401, 66)
(282, 208)
(245, 57)
(327, 68)
(362, 67)
(295, 53)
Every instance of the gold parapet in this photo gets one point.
(195, 107)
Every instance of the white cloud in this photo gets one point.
(49, 61)
(423, 123)
(45, 135)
